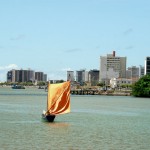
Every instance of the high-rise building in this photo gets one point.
(94, 77)
(82, 76)
(39, 76)
(112, 66)
(70, 76)
(147, 65)
(141, 71)
(128, 74)
(31, 75)
(25, 76)
(45, 77)
(134, 72)
(9, 76)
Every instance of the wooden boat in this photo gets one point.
(58, 100)
(17, 87)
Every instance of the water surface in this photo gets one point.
(95, 122)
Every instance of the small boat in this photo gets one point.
(17, 87)
(58, 100)
(41, 87)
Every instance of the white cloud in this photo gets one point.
(5, 69)
(10, 66)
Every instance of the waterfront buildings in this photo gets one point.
(93, 76)
(82, 76)
(112, 66)
(39, 76)
(25, 76)
(132, 73)
(70, 76)
(120, 81)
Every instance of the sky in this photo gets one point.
(54, 36)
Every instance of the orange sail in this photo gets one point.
(58, 98)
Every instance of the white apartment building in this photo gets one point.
(117, 82)
(112, 66)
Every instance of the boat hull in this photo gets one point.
(18, 87)
(48, 118)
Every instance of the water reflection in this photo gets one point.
(57, 124)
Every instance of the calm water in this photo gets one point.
(95, 123)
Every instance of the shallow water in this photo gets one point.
(95, 122)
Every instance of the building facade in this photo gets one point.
(25, 76)
(94, 77)
(147, 65)
(120, 81)
(132, 73)
(39, 76)
(70, 76)
(141, 71)
(112, 66)
(82, 76)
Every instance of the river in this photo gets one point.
(95, 123)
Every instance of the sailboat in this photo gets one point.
(58, 100)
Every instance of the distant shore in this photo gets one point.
(88, 92)
(98, 92)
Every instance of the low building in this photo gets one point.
(120, 81)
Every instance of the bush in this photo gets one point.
(142, 87)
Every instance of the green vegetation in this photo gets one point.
(142, 87)
(101, 84)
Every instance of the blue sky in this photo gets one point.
(54, 36)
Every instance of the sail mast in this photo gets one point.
(48, 96)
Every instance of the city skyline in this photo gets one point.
(56, 36)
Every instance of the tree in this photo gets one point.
(101, 84)
(142, 87)
(41, 83)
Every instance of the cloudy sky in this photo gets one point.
(58, 35)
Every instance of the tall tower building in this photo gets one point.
(112, 66)
(82, 76)
(31, 75)
(11, 76)
(147, 65)
(39, 76)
